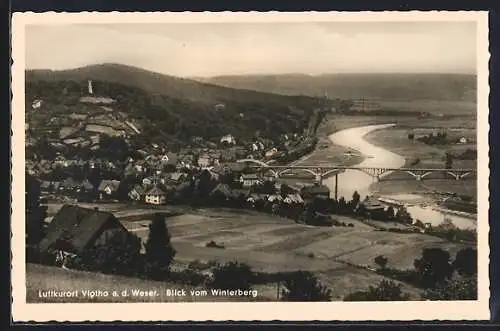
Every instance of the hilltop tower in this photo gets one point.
(90, 87)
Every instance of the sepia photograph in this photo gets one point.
(249, 159)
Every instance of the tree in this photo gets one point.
(355, 198)
(466, 262)
(411, 136)
(403, 216)
(304, 286)
(159, 250)
(381, 261)
(232, 276)
(465, 289)
(35, 213)
(390, 213)
(434, 266)
(387, 290)
(121, 254)
(448, 163)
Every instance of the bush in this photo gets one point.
(453, 290)
(466, 262)
(188, 277)
(231, 276)
(385, 291)
(434, 266)
(381, 261)
(304, 286)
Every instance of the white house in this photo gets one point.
(462, 140)
(229, 139)
(220, 106)
(156, 196)
(36, 104)
(248, 180)
(271, 152)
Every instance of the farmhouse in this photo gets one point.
(108, 188)
(156, 196)
(229, 139)
(271, 152)
(248, 180)
(74, 230)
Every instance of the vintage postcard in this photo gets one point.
(250, 166)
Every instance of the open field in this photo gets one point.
(268, 243)
(338, 256)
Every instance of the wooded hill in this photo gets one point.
(171, 107)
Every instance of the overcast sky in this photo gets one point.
(258, 48)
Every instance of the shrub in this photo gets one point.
(385, 291)
(381, 261)
(465, 289)
(434, 266)
(466, 262)
(231, 276)
(304, 286)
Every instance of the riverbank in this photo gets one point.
(363, 183)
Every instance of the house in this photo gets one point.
(222, 190)
(249, 180)
(86, 186)
(36, 104)
(137, 193)
(228, 139)
(275, 198)
(156, 196)
(108, 188)
(462, 140)
(45, 186)
(271, 152)
(293, 199)
(204, 161)
(177, 177)
(74, 230)
(69, 184)
(315, 191)
(220, 106)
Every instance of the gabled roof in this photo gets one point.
(155, 191)
(249, 176)
(222, 188)
(75, 228)
(113, 184)
(87, 185)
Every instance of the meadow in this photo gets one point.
(338, 256)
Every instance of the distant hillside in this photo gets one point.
(389, 87)
(165, 108)
(155, 83)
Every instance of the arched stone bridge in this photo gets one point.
(320, 172)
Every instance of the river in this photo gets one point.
(355, 180)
